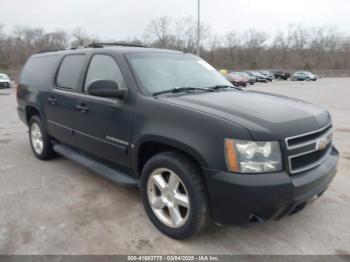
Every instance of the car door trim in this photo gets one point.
(121, 147)
(87, 96)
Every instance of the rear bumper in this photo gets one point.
(22, 115)
(243, 199)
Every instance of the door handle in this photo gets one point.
(52, 100)
(82, 108)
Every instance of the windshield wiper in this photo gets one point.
(182, 89)
(217, 87)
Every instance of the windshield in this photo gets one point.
(257, 74)
(2, 76)
(235, 75)
(159, 72)
(244, 74)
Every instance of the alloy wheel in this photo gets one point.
(36, 138)
(168, 197)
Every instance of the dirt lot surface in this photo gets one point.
(59, 207)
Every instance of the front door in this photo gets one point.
(103, 125)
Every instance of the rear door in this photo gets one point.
(104, 127)
(60, 105)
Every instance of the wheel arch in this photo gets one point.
(152, 145)
(30, 111)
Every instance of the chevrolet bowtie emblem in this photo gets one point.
(323, 142)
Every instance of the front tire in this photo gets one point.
(174, 195)
(39, 139)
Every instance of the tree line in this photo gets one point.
(298, 47)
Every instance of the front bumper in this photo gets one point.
(240, 199)
(261, 79)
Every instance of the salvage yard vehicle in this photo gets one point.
(5, 81)
(258, 76)
(251, 79)
(304, 76)
(280, 74)
(237, 79)
(268, 74)
(198, 148)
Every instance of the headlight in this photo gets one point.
(244, 156)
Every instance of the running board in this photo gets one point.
(96, 166)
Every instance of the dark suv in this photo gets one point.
(169, 123)
(279, 74)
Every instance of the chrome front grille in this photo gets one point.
(308, 150)
(4, 84)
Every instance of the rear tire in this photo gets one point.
(160, 201)
(39, 140)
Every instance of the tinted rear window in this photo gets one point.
(70, 71)
(38, 70)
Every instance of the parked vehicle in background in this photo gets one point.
(258, 76)
(304, 76)
(5, 81)
(251, 78)
(198, 148)
(237, 79)
(269, 75)
(224, 72)
(280, 74)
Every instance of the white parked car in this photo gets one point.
(304, 75)
(5, 81)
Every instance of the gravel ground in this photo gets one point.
(59, 207)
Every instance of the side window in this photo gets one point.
(39, 70)
(70, 71)
(103, 67)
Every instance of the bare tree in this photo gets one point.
(297, 47)
(158, 32)
(233, 44)
(180, 34)
(81, 38)
(185, 34)
(254, 43)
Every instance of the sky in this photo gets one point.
(117, 19)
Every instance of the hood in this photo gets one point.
(4, 80)
(260, 76)
(265, 116)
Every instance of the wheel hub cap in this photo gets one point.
(168, 196)
(36, 138)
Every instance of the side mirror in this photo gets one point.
(106, 88)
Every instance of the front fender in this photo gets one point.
(197, 133)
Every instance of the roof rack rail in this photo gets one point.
(49, 50)
(100, 45)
